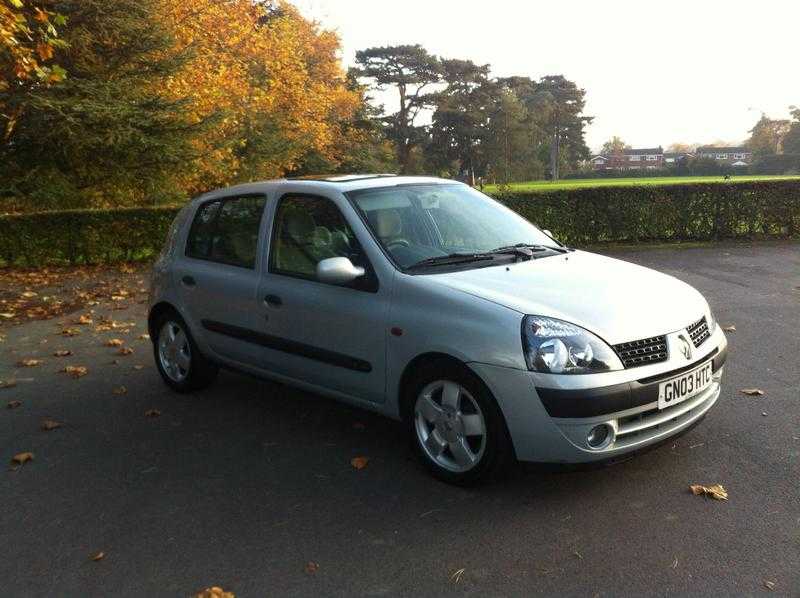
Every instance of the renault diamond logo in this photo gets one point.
(685, 347)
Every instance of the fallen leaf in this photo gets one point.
(7, 315)
(117, 298)
(311, 567)
(359, 462)
(763, 414)
(14, 404)
(456, 577)
(125, 351)
(730, 328)
(70, 332)
(770, 585)
(62, 353)
(29, 295)
(29, 363)
(120, 390)
(716, 491)
(144, 337)
(76, 371)
(8, 383)
(22, 458)
(138, 367)
(114, 342)
(577, 554)
(84, 320)
(675, 563)
(152, 413)
(214, 592)
(98, 556)
(50, 424)
(753, 392)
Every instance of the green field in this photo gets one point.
(633, 181)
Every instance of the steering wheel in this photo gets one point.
(397, 243)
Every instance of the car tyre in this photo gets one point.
(179, 360)
(456, 426)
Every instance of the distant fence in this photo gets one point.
(585, 216)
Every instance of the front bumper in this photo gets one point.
(549, 417)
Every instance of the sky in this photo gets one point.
(689, 71)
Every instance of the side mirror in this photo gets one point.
(338, 271)
(548, 233)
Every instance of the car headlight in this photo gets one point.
(557, 347)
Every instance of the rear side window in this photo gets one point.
(226, 231)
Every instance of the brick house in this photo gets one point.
(630, 159)
(732, 156)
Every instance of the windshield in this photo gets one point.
(418, 222)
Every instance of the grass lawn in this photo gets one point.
(628, 182)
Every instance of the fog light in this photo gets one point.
(600, 436)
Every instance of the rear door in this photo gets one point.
(218, 273)
(327, 335)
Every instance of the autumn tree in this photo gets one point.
(614, 147)
(276, 78)
(360, 147)
(766, 137)
(28, 41)
(414, 73)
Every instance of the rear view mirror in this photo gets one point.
(338, 271)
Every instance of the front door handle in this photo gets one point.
(189, 281)
(273, 300)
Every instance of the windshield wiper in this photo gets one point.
(529, 247)
(453, 258)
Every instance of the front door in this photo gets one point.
(327, 335)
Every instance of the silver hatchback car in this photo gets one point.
(427, 301)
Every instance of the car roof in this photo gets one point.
(342, 183)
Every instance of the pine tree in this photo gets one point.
(108, 134)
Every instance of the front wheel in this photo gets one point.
(178, 359)
(457, 427)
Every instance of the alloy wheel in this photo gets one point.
(174, 351)
(450, 426)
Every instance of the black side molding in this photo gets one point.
(618, 397)
(289, 346)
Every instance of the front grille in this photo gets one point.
(642, 352)
(699, 331)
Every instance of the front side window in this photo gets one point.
(226, 231)
(418, 222)
(307, 231)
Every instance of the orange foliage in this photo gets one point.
(272, 80)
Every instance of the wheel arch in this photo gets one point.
(404, 398)
(156, 312)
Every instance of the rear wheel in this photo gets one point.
(178, 359)
(456, 426)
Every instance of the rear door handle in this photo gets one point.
(189, 281)
(273, 300)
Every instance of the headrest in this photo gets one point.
(299, 226)
(388, 224)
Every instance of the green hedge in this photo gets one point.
(84, 236)
(688, 212)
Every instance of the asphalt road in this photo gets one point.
(244, 484)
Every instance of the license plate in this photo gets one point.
(684, 386)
